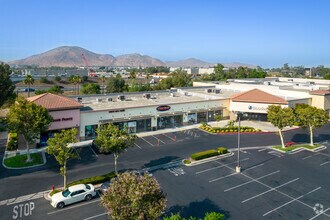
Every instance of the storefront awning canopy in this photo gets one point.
(140, 117)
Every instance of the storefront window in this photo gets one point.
(192, 118)
(201, 117)
(143, 125)
(169, 121)
(90, 132)
(131, 127)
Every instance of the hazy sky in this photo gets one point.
(262, 32)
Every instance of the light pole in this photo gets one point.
(238, 167)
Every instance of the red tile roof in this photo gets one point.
(320, 92)
(54, 102)
(257, 96)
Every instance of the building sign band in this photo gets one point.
(163, 108)
(62, 119)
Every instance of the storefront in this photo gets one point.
(169, 121)
(64, 111)
(253, 104)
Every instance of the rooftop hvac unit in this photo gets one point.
(98, 100)
(186, 93)
(217, 91)
(208, 90)
(79, 99)
(109, 99)
(147, 96)
(121, 97)
(172, 94)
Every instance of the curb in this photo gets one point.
(229, 154)
(21, 168)
(322, 147)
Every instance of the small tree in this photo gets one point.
(90, 88)
(28, 119)
(208, 216)
(311, 117)
(59, 147)
(111, 139)
(135, 197)
(29, 80)
(7, 87)
(280, 118)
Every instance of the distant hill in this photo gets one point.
(191, 62)
(70, 56)
(137, 60)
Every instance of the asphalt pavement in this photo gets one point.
(160, 149)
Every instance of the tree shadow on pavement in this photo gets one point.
(161, 161)
(305, 138)
(197, 209)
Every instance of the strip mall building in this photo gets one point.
(142, 112)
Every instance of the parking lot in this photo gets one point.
(169, 138)
(271, 186)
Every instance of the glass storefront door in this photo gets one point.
(201, 117)
(169, 121)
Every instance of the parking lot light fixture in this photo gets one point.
(238, 167)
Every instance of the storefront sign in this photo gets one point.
(62, 119)
(163, 108)
(257, 108)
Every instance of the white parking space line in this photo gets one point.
(259, 178)
(72, 207)
(261, 183)
(96, 216)
(223, 177)
(137, 145)
(168, 137)
(324, 163)
(253, 167)
(213, 168)
(158, 139)
(263, 193)
(262, 150)
(147, 141)
(313, 155)
(93, 151)
(291, 201)
(275, 153)
(321, 212)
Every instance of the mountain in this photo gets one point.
(65, 57)
(136, 60)
(191, 62)
(68, 56)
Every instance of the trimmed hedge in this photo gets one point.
(94, 179)
(204, 154)
(222, 150)
(228, 129)
(209, 153)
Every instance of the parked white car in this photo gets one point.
(73, 194)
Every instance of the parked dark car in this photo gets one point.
(29, 90)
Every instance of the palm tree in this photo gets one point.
(29, 80)
(103, 81)
(77, 80)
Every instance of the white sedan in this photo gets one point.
(73, 194)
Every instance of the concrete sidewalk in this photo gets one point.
(263, 126)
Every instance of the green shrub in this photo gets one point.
(204, 154)
(94, 180)
(13, 141)
(186, 161)
(222, 150)
(231, 130)
(54, 191)
(204, 124)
